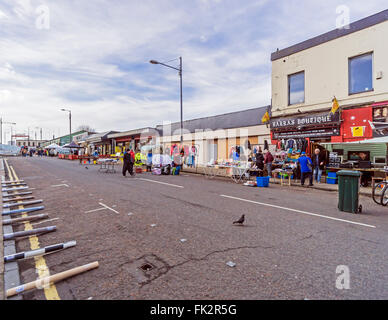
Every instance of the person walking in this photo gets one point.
(306, 166)
(129, 159)
(319, 160)
(268, 159)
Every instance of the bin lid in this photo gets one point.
(349, 173)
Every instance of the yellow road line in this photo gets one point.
(41, 267)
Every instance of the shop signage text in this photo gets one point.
(305, 121)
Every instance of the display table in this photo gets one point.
(107, 165)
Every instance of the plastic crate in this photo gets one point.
(331, 180)
(262, 182)
(332, 174)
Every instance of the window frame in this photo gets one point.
(350, 74)
(304, 88)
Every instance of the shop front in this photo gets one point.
(133, 139)
(304, 133)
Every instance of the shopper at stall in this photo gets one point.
(149, 161)
(306, 171)
(129, 159)
(260, 162)
(318, 164)
(178, 160)
(268, 159)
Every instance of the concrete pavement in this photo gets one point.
(292, 243)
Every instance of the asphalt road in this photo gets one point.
(279, 253)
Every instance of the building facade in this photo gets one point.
(349, 64)
(30, 143)
(215, 137)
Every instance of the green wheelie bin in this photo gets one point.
(348, 191)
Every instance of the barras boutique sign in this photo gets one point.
(306, 121)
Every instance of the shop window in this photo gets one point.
(361, 74)
(296, 88)
(380, 114)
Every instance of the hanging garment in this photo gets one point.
(266, 145)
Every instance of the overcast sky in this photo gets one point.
(92, 57)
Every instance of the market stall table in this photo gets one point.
(108, 165)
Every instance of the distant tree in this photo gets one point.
(85, 127)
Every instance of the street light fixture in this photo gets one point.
(69, 111)
(181, 91)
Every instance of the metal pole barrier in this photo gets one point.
(18, 199)
(40, 251)
(26, 203)
(16, 194)
(12, 181)
(29, 218)
(26, 233)
(14, 189)
(5, 213)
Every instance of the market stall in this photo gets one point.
(370, 157)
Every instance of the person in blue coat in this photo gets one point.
(306, 169)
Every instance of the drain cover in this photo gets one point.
(146, 268)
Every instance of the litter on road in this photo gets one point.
(231, 264)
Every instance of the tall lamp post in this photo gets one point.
(181, 91)
(69, 111)
(1, 128)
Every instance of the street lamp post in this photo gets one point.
(180, 69)
(69, 111)
(1, 128)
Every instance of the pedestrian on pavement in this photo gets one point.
(268, 159)
(306, 166)
(128, 162)
(318, 164)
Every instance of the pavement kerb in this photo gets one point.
(1, 239)
(329, 188)
(10, 276)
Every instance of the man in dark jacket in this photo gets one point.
(319, 160)
(128, 162)
(260, 162)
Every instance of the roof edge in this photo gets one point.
(358, 25)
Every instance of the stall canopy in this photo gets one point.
(53, 146)
(374, 140)
(72, 145)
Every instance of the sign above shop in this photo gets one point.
(317, 133)
(301, 122)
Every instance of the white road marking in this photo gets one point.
(61, 185)
(99, 209)
(299, 211)
(104, 205)
(167, 184)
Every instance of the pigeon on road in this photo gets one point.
(86, 168)
(241, 220)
